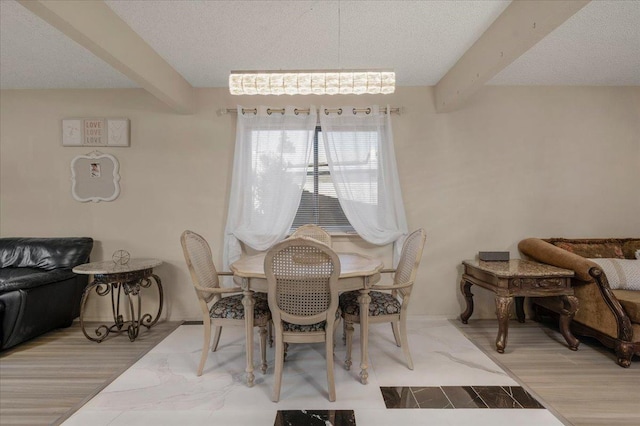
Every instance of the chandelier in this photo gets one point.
(311, 82)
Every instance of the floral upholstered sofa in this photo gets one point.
(606, 283)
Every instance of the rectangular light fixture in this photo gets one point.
(311, 82)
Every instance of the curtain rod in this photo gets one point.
(393, 110)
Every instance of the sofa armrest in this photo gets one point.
(595, 312)
(545, 252)
(625, 329)
(36, 280)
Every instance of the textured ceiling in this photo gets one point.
(34, 55)
(600, 45)
(420, 40)
(203, 41)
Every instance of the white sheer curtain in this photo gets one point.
(272, 154)
(362, 163)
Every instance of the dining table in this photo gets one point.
(357, 272)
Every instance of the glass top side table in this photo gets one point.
(114, 279)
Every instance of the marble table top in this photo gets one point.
(519, 268)
(107, 267)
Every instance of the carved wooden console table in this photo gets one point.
(519, 278)
(113, 279)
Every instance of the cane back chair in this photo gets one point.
(388, 307)
(217, 310)
(313, 231)
(302, 276)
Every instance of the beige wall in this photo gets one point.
(515, 162)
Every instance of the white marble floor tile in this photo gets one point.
(172, 418)
(162, 388)
(441, 355)
(167, 381)
(86, 416)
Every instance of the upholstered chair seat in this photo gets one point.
(231, 307)
(381, 303)
(306, 328)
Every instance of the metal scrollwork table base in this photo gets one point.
(121, 282)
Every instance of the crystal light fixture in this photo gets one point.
(311, 82)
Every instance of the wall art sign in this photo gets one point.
(95, 177)
(95, 132)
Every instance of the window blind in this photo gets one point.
(319, 203)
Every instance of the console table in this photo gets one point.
(516, 279)
(110, 278)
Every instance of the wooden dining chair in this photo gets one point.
(302, 276)
(220, 306)
(313, 231)
(388, 307)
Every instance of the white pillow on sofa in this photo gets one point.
(622, 274)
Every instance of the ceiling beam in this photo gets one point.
(520, 26)
(95, 26)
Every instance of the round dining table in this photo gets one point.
(357, 272)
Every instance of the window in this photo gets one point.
(319, 203)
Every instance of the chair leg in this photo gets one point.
(396, 332)
(263, 348)
(205, 345)
(344, 332)
(216, 338)
(277, 375)
(270, 331)
(405, 341)
(349, 327)
(329, 354)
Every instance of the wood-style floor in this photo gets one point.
(585, 387)
(45, 380)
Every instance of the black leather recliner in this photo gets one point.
(38, 290)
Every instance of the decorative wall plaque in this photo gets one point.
(95, 177)
(95, 132)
